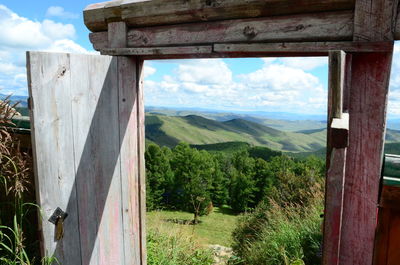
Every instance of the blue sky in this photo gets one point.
(297, 85)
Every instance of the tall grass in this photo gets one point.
(15, 172)
(175, 246)
(281, 234)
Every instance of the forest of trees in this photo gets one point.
(185, 178)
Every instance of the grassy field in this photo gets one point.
(215, 228)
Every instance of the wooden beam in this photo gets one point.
(158, 12)
(250, 50)
(296, 47)
(367, 109)
(335, 160)
(332, 26)
(180, 50)
(375, 20)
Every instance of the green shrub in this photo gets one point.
(174, 248)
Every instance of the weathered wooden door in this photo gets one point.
(87, 120)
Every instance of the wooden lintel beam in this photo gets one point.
(328, 26)
(251, 50)
(295, 47)
(161, 51)
(141, 13)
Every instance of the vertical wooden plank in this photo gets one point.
(142, 169)
(52, 136)
(336, 160)
(95, 114)
(367, 109)
(128, 117)
(336, 83)
(337, 62)
(334, 206)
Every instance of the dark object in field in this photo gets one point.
(182, 221)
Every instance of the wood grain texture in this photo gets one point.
(52, 136)
(88, 142)
(367, 110)
(117, 34)
(297, 47)
(128, 122)
(332, 26)
(96, 118)
(375, 20)
(158, 12)
(335, 179)
(180, 50)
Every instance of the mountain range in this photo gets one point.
(197, 130)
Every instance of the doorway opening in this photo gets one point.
(235, 159)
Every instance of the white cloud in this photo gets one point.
(306, 64)
(208, 71)
(58, 11)
(148, 70)
(211, 83)
(303, 63)
(19, 34)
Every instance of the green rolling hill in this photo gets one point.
(197, 130)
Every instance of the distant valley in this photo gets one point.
(212, 129)
(197, 130)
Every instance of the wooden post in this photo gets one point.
(336, 158)
(131, 119)
(367, 109)
(370, 72)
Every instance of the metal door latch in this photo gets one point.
(57, 218)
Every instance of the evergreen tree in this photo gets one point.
(158, 174)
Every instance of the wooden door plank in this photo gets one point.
(96, 140)
(367, 110)
(142, 166)
(52, 136)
